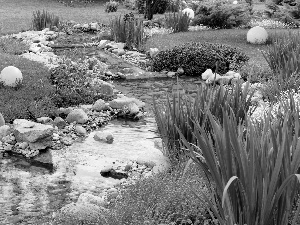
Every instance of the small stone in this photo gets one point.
(180, 71)
(67, 141)
(80, 130)
(100, 105)
(4, 130)
(171, 74)
(44, 120)
(78, 116)
(8, 147)
(104, 137)
(59, 122)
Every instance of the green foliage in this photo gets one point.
(287, 12)
(182, 111)
(130, 4)
(221, 14)
(42, 20)
(283, 58)
(128, 29)
(251, 167)
(195, 58)
(111, 6)
(179, 22)
(162, 198)
(75, 83)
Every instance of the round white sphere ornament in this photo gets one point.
(10, 76)
(257, 35)
(235, 2)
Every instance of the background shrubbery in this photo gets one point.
(222, 14)
(195, 58)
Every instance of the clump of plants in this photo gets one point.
(222, 14)
(195, 58)
(251, 167)
(182, 111)
(129, 30)
(111, 6)
(287, 11)
(282, 57)
(77, 82)
(178, 22)
(43, 19)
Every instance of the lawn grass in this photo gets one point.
(233, 37)
(16, 15)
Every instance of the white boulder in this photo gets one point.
(10, 76)
(153, 52)
(206, 74)
(78, 116)
(257, 35)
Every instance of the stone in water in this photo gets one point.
(10, 76)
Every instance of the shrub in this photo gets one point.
(130, 4)
(195, 58)
(182, 111)
(283, 58)
(111, 6)
(42, 20)
(178, 22)
(75, 83)
(252, 166)
(287, 13)
(221, 14)
(128, 29)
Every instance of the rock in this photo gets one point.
(180, 71)
(213, 78)
(171, 74)
(59, 122)
(104, 88)
(35, 48)
(99, 105)
(4, 131)
(44, 120)
(67, 141)
(206, 74)
(189, 12)
(153, 52)
(80, 130)
(120, 102)
(77, 26)
(78, 116)
(103, 43)
(104, 137)
(81, 213)
(113, 45)
(257, 35)
(85, 27)
(39, 136)
(133, 108)
(11, 76)
(2, 121)
(91, 199)
(94, 26)
(112, 193)
(118, 51)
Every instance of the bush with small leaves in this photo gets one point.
(195, 58)
(111, 6)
